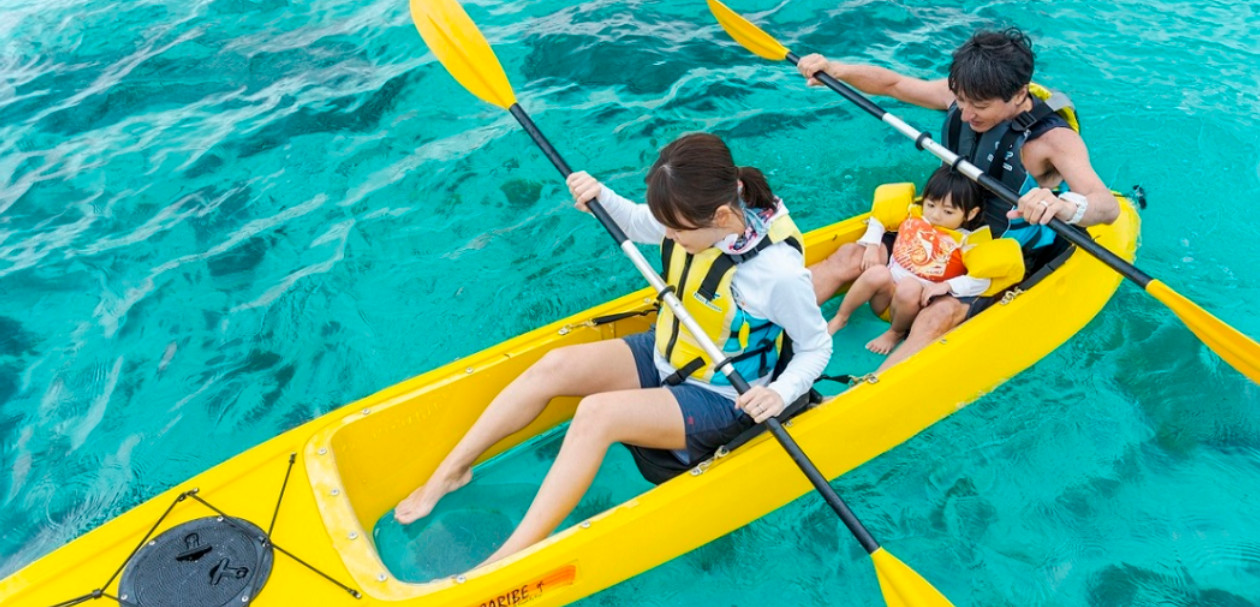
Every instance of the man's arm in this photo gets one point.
(1070, 158)
(931, 94)
(1062, 151)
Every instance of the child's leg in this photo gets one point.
(869, 285)
(905, 306)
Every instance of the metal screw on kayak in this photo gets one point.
(565, 330)
(323, 450)
(468, 370)
(220, 519)
(366, 411)
(382, 577)
(586, 524)
(354, 536)
(335, 492)
(123, 597)
(245, 599)
(459, 579)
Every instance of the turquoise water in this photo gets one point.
(220, 219)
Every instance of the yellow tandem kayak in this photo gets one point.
(348, 468)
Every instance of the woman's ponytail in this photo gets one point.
(757, 194)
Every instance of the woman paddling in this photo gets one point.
(734, 258)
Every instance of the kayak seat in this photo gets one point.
(1046, 260)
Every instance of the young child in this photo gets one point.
(926, 259)
(734, 257)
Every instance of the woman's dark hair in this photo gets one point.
(992, 65)
(961, 192)
(694, 176)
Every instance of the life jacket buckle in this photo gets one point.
(1023, 121)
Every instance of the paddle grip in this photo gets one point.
(549, 150)
(1072, 235)
(843, 89)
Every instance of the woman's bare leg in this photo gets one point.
(648, 418)
(573, 371)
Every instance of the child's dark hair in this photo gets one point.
(695, 175)
(961, 192)
(992, 65)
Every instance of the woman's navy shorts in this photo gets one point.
(711, 419)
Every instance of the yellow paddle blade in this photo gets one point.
(463, 51)
(747, 34)
(902, 586)
(1240, 351)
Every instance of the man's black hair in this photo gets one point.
(992, 65)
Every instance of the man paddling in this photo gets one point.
(997, 123)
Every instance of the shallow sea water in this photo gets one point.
(222, 218)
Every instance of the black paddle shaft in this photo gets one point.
(1076, 237)
(789, 444)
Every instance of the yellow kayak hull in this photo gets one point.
(354, 464)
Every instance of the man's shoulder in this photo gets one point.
(1051, 144)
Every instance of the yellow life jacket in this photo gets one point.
(702, 283)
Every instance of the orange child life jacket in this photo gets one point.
(929, 252)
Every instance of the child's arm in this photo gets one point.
(967, 285)
(872, 241)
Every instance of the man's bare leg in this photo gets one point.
(839, 270)
(937, 319)
(574, 371)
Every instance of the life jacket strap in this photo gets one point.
(717, 271)
(681, 375)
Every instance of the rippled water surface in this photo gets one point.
(219, 219)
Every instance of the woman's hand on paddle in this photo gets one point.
(870, 256)
(584, 188)
(760, 403)
(812, 64)
(935, 289)
(1040, 205)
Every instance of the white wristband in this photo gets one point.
(1081, 202)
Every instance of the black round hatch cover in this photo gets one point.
(207, 562)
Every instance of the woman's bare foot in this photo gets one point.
(885, 342)
(837, 323)
(421, 501)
